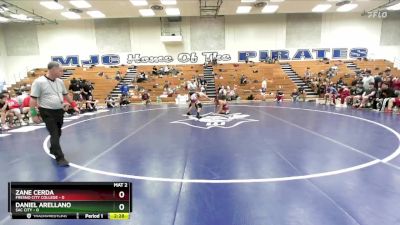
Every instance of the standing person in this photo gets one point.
(48, 92)
(124, 89)
(195, 103)
(264, 88)
(76, 91)
(330, 95)
(367, 79)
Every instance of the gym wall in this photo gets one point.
(31, 46)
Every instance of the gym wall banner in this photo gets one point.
(200, 57)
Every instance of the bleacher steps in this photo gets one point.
(129, 77)
(352, 66)
(287, 68)
(208, 75)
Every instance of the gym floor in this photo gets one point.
(264, 164)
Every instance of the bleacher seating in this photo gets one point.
(229, 75)
(226, 75)
(102, 85)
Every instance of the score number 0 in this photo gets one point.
(121, 206)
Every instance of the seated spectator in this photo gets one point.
(395, 84)
(86, 90)
(166, 85)
(393, 102)
(279, 95)
(340, 82)
(25, 108)
(231, 95)
(118, 76)
(141, 77)
(214, 61)
(91, 104)
(21, 95)
(76, 90)
(146, 97)
(344, 94)
(388, 97)
(302, 93)
(71, 108)
(15, 109)
(222, 91)
(243, 79)
(124, 100)
(295, 95)
(154, 70)
(110, 101)
(356, 94)
(368, 95)
(174, 71)
(4, 111)
(307, 74)
(166, 70)
(202, 89)
(322, 89)
(330, 95)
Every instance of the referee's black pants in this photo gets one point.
(54, 118)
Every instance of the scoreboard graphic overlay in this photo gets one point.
(71, 200)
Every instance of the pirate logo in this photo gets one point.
(210, 120)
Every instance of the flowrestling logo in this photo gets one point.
(200, 57)
(213, 120)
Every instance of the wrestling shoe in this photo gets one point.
(62, 162)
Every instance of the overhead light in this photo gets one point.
(276, 0)
(3, 19)
(139, 2)
(4, 8)
(394, 7)
(51, 5)
(270, 8)
(347, 7)
(172, 11)
(247, 1)
(243, 9)
(146, 12)
(71, 15)
(168, 2)
(96, 14)
(80, 4)
(20, 17)
(321, 7)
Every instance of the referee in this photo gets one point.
(48, 92)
